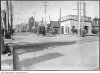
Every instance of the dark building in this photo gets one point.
(31, 23)
(95, 24)
(55, 26)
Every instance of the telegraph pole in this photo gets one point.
(11, 25)
(79, 16)
(81, 26)
(84, 13)
(45, 12)
(45, 4)
(10, 14)
(7, 16)
(34, 18)
(60, 21)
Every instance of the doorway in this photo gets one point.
(86, 29)
(68, 30)
(62, 29)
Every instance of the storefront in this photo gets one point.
(71, 25)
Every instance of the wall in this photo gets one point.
(71, 23)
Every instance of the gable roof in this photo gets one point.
(54, 24)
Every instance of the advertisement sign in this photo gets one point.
(75, 17)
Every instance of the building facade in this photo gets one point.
(95, 24)
(55, 26)
(70, 22)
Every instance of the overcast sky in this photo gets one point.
(25, 9)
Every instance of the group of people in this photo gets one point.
(74, 31)
(83, 31)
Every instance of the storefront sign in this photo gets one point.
(74, 17)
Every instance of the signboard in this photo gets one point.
(75, 17)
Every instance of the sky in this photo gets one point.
(25, 9)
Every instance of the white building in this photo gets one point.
(71, 21)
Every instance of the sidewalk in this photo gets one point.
(7, 61)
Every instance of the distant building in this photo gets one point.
(95, 24)
(31, 23)
(17, 28)
(55, 26)
(23, 27)
(71, 22)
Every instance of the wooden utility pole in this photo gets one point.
(79, 16)
(60, 21)
(84, 13)
(45, 12)
(11, 18)
(45, 16)
(34, 19)
(84, 9)
(7, 16)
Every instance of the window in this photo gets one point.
(73, 27)
(66, 29)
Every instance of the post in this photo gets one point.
(60, 21)
(7, 16)
(79, 17)
(84, 14)
(45, 18)
(34, 18)
(45, 13)
(11, 18)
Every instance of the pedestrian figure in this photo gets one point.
(76, 31)
(73, 31)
